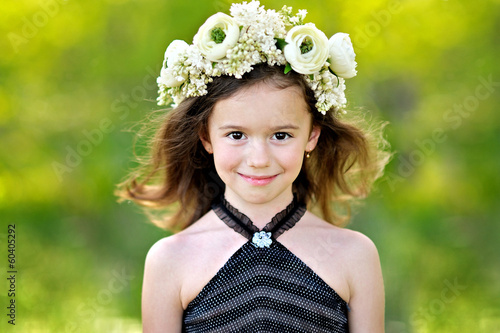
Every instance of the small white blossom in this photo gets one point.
(171, 78)
(302, 14)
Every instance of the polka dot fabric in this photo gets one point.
(265, 289)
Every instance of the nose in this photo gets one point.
(258, 155)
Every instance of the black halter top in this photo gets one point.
(264, 287)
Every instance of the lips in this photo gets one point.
(258, 180)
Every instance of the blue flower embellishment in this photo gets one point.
(261, 239)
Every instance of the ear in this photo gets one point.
(313, 138)
(206, 143)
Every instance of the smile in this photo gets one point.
(258, 180)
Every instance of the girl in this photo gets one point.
(255, 138)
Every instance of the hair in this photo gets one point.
(178, 178)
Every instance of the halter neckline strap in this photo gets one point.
(242, 224)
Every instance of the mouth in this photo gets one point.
(258, 180)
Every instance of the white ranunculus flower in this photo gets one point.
(176, 48)
(342, 55)
(217, 35)
(307, 48)
(169, 78)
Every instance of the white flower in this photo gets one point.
(174, 50)
(170, 78)
(342, 55)
(217, 35)
(307, 48)
(262, 239)
(302, 14)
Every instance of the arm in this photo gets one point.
(161, 304)
(366, 288)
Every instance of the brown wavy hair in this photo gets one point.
(178, 177)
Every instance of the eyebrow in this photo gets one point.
(275, 128)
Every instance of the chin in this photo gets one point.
(257, 198)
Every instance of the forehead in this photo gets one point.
(262, 104)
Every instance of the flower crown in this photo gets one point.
(231, 45)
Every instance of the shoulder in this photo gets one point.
(359, 253)
(362, 262)
(164, 273)
(163, 260)
(167, 249)
(161, 302)
(359, 259)
(353, 250)
(359, 248)
(164, 253)
(353, 244)
(170, 252)
(366, 286)
(363, 275)
(176, 255)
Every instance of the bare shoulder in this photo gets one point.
(164, 272)
(363, 277)
(351, 250)
(170, 253)
(359, 252)
(353, 244)
(161, 303)
(358, 247)
(161, 254)
(361, 260)
(164, 258)
(358, 257)
(166, 251)
(366, 285)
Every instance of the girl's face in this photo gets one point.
(258, 138)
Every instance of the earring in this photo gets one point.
(308, 154)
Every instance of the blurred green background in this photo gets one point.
(75, 75)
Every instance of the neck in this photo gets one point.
(260, 212)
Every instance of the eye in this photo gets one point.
(281, 136)
(235, 135)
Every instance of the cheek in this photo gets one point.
(225, 157)
(292, 159)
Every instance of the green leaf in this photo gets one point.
(288, 68)
(280, 43)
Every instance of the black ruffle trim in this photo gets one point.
(242, 224)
